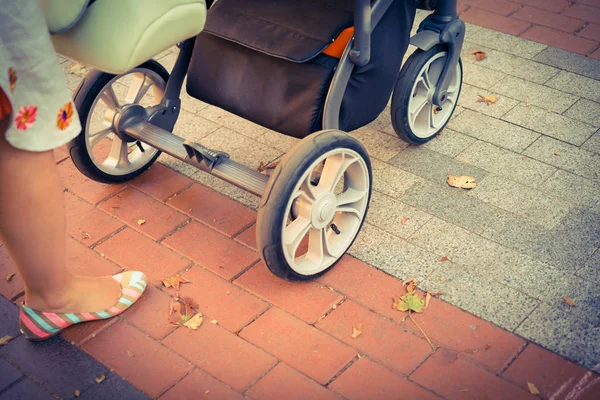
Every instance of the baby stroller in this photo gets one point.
(312, 69)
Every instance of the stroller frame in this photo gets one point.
(153, 127)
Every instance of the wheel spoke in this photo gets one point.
(109, 97)
(415, 114)
(430, 116)
(294, 233)
(318, 246)
(138, 89)
(350, 196)
(333, 171)
(426, 79)
(119, 155)
(95, 138)
(348, 210)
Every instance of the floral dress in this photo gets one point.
(33, 90)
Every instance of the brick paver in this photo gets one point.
(569, 25)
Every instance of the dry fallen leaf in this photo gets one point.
(412, 284)
(10, 276)
(85, 235)
(479, 55)
(463, 182)
(130, 354)
(78, 69)
(77, 393)
(141, 221)
(411, 301)
(443, 259)
(191, 307)
(488, 346)
(100, 378)
(174, 281)
(357, 330)
(194, 322)
(487, 99)
(557, 153)
(436, 293)
(427, 299)
(261, 167)
(404, 220)
(569, 301)
(4, 340)
(532, 389)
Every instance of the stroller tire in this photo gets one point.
(414, 118)
(99, 153)
(314, 205)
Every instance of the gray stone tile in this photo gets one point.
(563, 332)
(506, 163)
(277, 140)
(493, 130)
(482, 296)
(565, 156)
(392, 254)
(551, 124)
(193, 127)
(593, 143)
(529, 203)
(452, 205)
(506, 43)
(458, 244)
(568, 246)
(382, 120)
(8, 374)
(477, 75)
(572, 62)
(586, 111)
(71, 79)
(573, 188)
(391, 180)
(535, 94)
(26, 390)
(591, 269)
(378, 144)
(232, 121)
(433, 166)
(241, 148)
(469, 99)
(388, 213)
(530, 71)
(576, 84)
(449, 143)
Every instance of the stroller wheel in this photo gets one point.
(414, 116)
(314, 205)
(97, 151)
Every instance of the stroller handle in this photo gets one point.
(361, 50)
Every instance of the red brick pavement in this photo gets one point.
(572, 25)
(271, 339)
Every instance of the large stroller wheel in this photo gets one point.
(414, 116)
(314, 205)
(97, 151)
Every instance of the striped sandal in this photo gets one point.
(39, 325)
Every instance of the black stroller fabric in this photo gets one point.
(262, 60)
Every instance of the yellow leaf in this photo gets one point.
(141, 221)
(479, 55)
(194, 322)
(214, 321)
(174, 281)
(10, 276)
(569, 301)
(487, 99)
(357, 330)
(532, 389)
(100, 378)
(4, 340)
(463, 182)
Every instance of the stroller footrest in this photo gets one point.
(204, 155)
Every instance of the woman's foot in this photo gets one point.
(97, 300)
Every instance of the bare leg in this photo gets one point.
(32, 227)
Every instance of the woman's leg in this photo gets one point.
(32, 228)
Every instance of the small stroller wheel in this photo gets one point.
(97, 151)
(314, 205)
(414, 116)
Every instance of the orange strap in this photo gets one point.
(336, 48)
